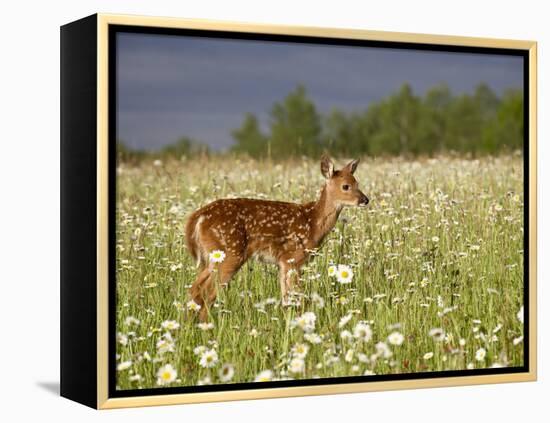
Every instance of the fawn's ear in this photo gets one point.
(351, 167)
(327, 167)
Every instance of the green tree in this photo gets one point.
(433, 120)
(295, 126)
(249, 138)
(506, 128)
(395, 121)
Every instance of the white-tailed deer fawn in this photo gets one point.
(277, 232)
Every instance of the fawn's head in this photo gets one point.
(342, 187)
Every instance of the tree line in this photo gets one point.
(401, 124)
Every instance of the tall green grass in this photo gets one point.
(437, 257)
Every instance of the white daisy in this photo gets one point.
(306, 322)
(517, 340)
(166, 375)
(170, 325)
(395, 338)
(344, 274)
(124, 365)
(217, 256)
(520, 314)
(131, 320)
(264, 376)
(296, 365)
(205, 381)
(363, 358)
(480, 354)
(193, 306)
(317, 300)
(332, 270)
(209, 358)
(346, 335)
(205, 326)
(313, 338)
(383, 350)
(122, 339)
(437, 334)
(362, 332)
(344, 320)
(199, 350)
(165, 344)
(300, 350)
(226, 372)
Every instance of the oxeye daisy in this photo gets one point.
(166, 375)
(313, 338)
(395, 338)
(306, 322)
(362, 332)
(264, 376)
(300, 350)
(170, 325)
(344, 274)
(209, 358)
(217, 256)
(226, 372)
(344, 320)
(317, 300)
(437, 334)
(131, 320)
(480, 354)
(382, 350)
(349, 356)
(332, 270)
(122, 339)
(296, 365)
(520, 315)
(124, 365)
(193, 306)
(165, 344)
(199, 350)
(205, 326)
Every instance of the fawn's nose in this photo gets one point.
(364, 200)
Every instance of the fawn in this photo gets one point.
(278, 232)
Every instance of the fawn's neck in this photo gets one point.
(324, 215)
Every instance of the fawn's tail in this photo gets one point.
(192, 236)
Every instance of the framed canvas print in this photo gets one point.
(256, 211)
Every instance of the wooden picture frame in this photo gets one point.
(88, 185)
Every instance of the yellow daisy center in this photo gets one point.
(345, 274)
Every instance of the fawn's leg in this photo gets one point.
(289, 277)
(206, 289)
(283, 268)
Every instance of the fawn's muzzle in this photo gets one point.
(363, 201)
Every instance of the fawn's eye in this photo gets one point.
(345, 187)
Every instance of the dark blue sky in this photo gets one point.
(170, 86)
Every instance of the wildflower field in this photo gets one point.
(427, 277)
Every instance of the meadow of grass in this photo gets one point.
(437, 260)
